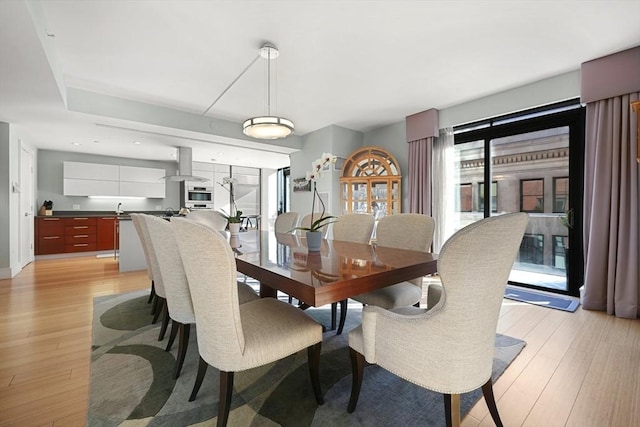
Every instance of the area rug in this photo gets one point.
(544, 300)
(132, 382)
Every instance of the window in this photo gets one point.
(465, 198)
(532, 195)
(561, 194)
(494, 196)
(532, 249)
(560, 252)
(536, 158)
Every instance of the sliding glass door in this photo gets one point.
(528, 163)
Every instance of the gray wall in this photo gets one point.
(335, 140)
(5, 191)
(50, 183)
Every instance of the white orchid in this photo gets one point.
(313, 175)
(234, 215)
(318, 165)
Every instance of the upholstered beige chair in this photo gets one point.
(448, 349)
(306, 222)
(355, 228)
(234, 337)
(160, 302)
(152, 292)
(286, 222)
(403, 231)
(209, 218)
(170, 269)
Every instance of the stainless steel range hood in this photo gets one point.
(184, 167)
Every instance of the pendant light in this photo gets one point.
(268, 127)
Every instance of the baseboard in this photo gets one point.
(9, 273)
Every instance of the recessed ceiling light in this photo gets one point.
(137, 142)
(75, 143)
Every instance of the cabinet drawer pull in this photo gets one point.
(81, 219)
(51, 237)
(51, 219)
(81, 236)
(108, 218)
(78, 227)
(81, 244)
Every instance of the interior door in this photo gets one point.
(26, 206)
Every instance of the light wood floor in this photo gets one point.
(578, 369)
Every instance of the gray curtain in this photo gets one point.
(611, 208)
(420, 176)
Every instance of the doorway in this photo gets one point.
(26, 196)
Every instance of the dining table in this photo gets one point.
(340, 270)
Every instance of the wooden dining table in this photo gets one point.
(340, 270)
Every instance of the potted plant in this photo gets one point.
(234, 217)
(313, 232)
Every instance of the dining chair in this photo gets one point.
(155, 295)
(306, 222)
(448, 349)
(234, 337)
(152, 292)
(403, 231)
(355, 228)
(286, 222)
(209, 218)
(179, 303)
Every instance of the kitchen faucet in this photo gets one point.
(118, 211)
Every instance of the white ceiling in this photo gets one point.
(356, 64)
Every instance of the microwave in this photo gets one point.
(199, 195)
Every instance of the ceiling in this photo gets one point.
(103, 74)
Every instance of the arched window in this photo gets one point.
(371, 183)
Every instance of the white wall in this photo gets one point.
(9, 202)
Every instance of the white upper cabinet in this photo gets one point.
(142, 182)
(92, 179)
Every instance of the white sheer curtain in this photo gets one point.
(443, 187)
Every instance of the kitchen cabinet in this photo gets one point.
(49, 236)
(371, 183)
(92, 179)
(80, 234)
(106, 233)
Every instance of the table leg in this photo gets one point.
(267, 292)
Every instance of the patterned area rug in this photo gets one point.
(132, 380)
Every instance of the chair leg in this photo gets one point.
(202, 369)
(452, 409)
(357, 370)
(165, 321)
(343, 315)
(313, 354)
(152, 293)
(158, 306)
(224, 404)
(183, 343)
(334, 315)
(172, 334)
(154, 306)
(487, 390)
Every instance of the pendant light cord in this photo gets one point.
(231, 84)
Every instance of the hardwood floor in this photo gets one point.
(578, 369)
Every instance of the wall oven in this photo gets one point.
(197, 197)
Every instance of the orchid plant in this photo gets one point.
(234, 215)
(317, 166)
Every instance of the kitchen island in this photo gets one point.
(130, 254)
